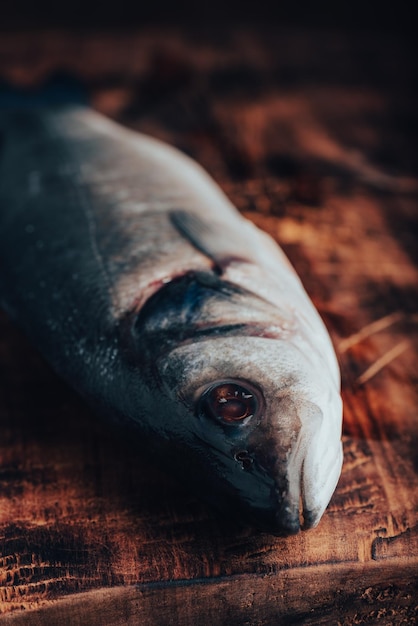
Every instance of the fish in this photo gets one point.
(170, 313)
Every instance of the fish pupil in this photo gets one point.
(229, 403)
(233, 410)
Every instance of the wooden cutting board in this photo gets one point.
(311, 136)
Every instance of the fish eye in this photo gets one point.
(229, 402)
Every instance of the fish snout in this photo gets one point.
(281, 518)
(287, 498)
(320, 478)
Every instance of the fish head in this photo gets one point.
(258, 424)
(267, 436)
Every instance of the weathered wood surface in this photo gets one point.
(310, 136)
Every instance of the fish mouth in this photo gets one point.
(279, 523)
(262, 504)
(279, 520)
(274, 524)
(285, 519)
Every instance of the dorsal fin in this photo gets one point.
(59, 90)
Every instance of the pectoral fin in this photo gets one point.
(230, 240)
(224, 242)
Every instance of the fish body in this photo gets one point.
(152, 296)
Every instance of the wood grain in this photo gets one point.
(310, 136)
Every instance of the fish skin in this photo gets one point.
(142, 285)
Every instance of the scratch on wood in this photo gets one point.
(383, 361)
(370, 329)
(402, 545)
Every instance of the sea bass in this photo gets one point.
(149, 293)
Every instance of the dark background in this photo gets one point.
(354, 15)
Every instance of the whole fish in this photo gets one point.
(153, 297)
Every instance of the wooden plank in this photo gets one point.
(328, 597)
(307, 135)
